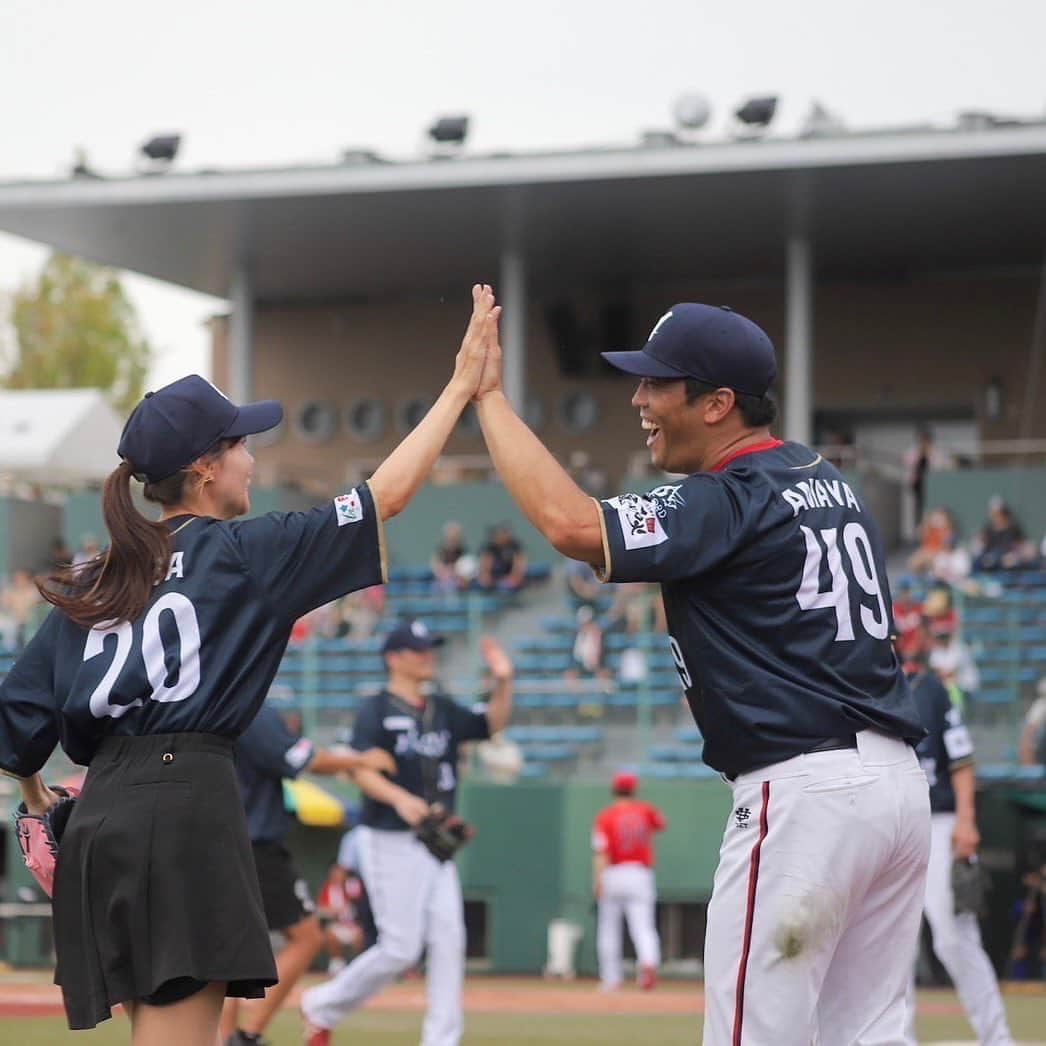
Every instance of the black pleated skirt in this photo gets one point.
(155, 880)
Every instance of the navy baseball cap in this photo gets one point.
(173, 426)
(411, 635)
(711, 343)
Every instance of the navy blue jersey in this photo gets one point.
(424, 743)
(265, 754)
(778, 608)
(202, 654)
(947, 746)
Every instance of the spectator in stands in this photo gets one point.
(1001, 544)
(939, 614)
(502, 564)
(18, 601)
(588, 652)
(583, 587)
(1031, 749)
(907, 620)
(937, 543)
(918, 462)
(447, 575)
(362, 612)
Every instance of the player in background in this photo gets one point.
(266, 753)
(623, 882)
(946, 754)
(416, 899)
(156, 658)
(774, 583)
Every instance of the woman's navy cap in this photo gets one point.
(711, 343)
(173, 426)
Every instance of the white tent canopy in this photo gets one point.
(58, 436)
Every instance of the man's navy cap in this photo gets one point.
(711, 343)
(411, 635)
(173, 426)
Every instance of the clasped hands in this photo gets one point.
(477, 367)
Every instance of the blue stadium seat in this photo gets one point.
(994, 695)
(687, 735)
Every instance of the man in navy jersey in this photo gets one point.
(778, 611)
(946, 754)
(416, 900)
(266, 754)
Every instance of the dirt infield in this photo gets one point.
(30, 993)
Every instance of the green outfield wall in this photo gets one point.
(531, 859)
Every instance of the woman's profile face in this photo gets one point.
(231, 481)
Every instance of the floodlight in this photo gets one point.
(757, 112)
(450, 130)
(162, 148)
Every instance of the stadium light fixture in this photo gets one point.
(450, 130)
(162, 148)
(757, 113)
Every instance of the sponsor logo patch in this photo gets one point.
(639, 519)
(742, 816)
(298, 754)
(348, 508)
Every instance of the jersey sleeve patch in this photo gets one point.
(348, 508)
(958, 743)
(299, 753)
(638, 518)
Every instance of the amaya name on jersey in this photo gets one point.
(820, 493)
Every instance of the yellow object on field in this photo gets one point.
(312, 804)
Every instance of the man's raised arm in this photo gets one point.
(550, 499)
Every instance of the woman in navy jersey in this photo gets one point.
(158, 654)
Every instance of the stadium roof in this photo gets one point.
(892, 202)
(62, 436)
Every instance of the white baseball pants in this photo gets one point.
(417, 903)
(817, 900)
(957, 943)
(627, 890)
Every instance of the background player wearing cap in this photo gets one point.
(946, 754)
(158, 655)
(775, 592)
(416, 900)
(266, 753)
(623, 882)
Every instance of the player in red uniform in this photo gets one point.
(623, 881)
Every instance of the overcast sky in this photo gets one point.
(268, 82)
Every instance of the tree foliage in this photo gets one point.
(74, 327)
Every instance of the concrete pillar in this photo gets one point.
(511, 293)
(241, 336)
(799, 331)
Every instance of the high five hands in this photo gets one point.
(477, 367)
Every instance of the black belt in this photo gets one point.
(834, 744)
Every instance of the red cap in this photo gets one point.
(624, 782)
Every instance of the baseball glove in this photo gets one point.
(969, 887)
(40, 834)
(442, 833)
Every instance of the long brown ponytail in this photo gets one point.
(117, 583)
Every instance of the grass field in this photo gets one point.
(528, 1013)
